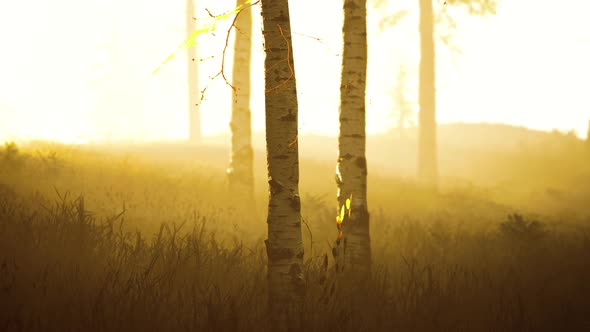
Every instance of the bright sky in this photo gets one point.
(79, 70)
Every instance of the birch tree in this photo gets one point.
(240, 170)
(193, 82)
(284, 245)
(353, 246)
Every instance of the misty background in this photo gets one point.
(80, 71)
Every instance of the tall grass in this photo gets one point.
(95, 242)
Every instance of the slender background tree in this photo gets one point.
(404, 105)
(240, 170)
(427, 146)
(427, 150)
(193, 82)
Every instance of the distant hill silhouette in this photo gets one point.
(484, 153)
(389, 150)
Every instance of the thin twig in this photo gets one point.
(288, 62)
(233, 25)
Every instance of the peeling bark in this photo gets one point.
(284, 244)
(427, 151)
(353, 247)
(193, 83)
(240, 170)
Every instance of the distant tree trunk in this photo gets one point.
(284, 245)
(353, 246)
(193, 82)
(427, 154)
(240, 170)
(402, 103)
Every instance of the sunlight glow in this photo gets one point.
(83, 74)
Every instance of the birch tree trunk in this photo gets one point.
(284, 245)
(193, 82)
(353, 246)
(427, 151)
(240, 170)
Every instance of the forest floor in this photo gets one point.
(117, 238)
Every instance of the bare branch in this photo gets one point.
(232, 26)
(288, 62)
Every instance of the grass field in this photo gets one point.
(117, 238)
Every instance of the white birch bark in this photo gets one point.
(353, 246)
(284, 244)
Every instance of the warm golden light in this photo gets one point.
(83, 74)
(124, 206)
